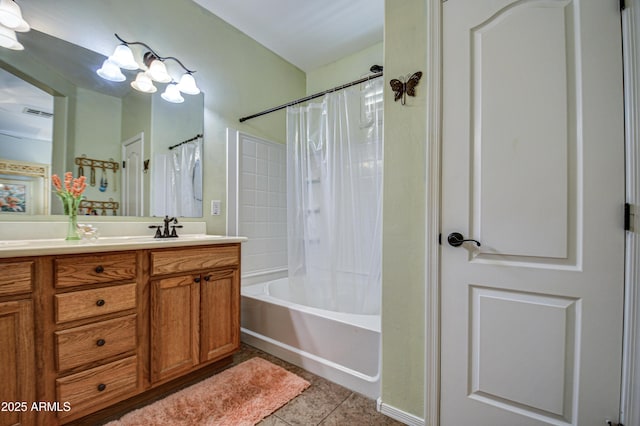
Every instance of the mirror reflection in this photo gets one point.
(56, 112)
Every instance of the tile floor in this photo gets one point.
(323, 403)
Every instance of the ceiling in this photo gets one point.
(307, 33)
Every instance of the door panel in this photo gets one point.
(533, 168)
(520, 122)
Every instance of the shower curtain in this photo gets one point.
(180, 174)
(334, 200)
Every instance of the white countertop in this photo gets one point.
(37, 238)
(15, 248)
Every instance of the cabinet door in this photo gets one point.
(220, 314)
(174, 325)
(17, 363)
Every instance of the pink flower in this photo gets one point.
(71, 193)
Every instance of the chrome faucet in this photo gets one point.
(162, 231)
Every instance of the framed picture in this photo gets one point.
(24, 188)
(16, 196)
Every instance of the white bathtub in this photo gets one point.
(343, 348)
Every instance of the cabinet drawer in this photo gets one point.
(79, 270)
(91, 303)
(186, 260)
(97, 385)
(89, 343)
(16, 277)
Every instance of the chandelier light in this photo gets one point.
(8, 39)
(172, 94)
(11, 21)
(11, 16)
(156, 71)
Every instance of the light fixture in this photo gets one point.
(172, 94)
(143, 83)
(8, 39)
(123, 57)
(11, 16)
(110, 71)
(156, 70)
(188, 84)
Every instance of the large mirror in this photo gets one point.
(56, 112)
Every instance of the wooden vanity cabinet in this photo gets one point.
(86, 332)
(17, 359)
(95, 330)
(195, 308)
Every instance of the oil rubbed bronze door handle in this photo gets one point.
(456, 239)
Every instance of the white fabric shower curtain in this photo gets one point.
(334, 200)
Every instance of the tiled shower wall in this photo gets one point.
(257, 181)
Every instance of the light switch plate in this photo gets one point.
(215, 207)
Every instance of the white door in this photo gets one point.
(533, 169)
(132, 154)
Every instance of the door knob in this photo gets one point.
(456, 239)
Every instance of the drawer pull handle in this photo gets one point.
(102, 387)
(100, 302)
(101, 342)
(99, 269)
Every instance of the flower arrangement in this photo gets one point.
(70, 194)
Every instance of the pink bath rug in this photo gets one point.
(241, 395)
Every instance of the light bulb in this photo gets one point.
(110, 71)
(11, 16)
(188, 84)
(158, 72)
(123, 57)
(143, 83)
(172, 94)
(8, 39)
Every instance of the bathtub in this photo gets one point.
(343, 348)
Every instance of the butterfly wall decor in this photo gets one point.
(402, 88)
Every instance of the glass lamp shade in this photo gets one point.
(188, 84)
(110, 71)
(172, 94)
(123, 57)
(158, 72)
(8, 39)
(143, 83)
(11, 16)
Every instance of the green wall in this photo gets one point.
(403, 248)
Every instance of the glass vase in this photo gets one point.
(72, 228)
(72, 225)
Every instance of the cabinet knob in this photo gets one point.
(99, 269)
(196, 279)
(101, 342)
(102, 387)
(207, 278)
(100, 302)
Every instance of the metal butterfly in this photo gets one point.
(402, 88)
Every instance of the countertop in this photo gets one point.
(41, 238)
(43, 247)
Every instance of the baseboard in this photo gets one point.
(399, 415)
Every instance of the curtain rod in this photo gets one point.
(308, 98)
(188, 140)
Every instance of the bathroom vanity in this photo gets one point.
(86, 325)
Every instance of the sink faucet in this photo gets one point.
(162, 231)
